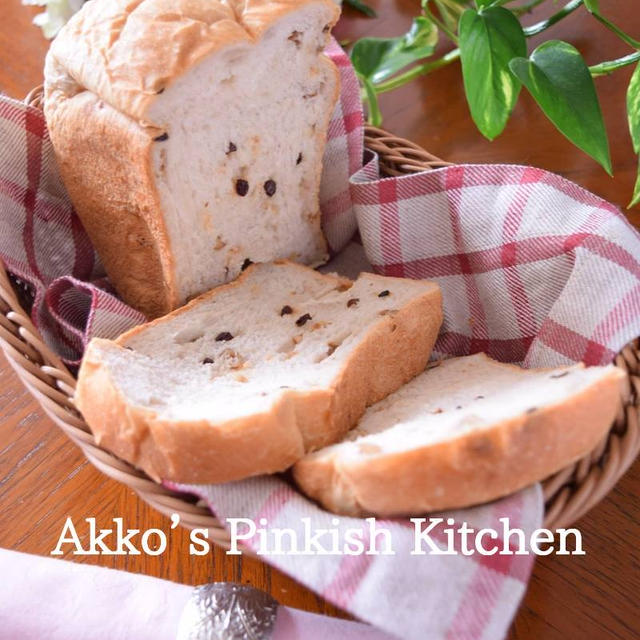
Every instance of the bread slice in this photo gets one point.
(465, 432)
(248, 377)
(190, 136)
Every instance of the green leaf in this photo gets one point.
(633, 108)
(379, 58)
(358, 5)
(636, 191)
(592, 6)
(488, 41)
(559, 80)
(481, 4)
(375, 115)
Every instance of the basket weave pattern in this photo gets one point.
(568, 494)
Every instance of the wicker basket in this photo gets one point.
(569, 493)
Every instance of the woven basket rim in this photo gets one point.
(568, 494)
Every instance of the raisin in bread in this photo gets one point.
(248, 377)
(465, 432)
(190, 136)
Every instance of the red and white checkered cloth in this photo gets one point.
(533, 269)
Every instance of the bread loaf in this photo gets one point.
(190, 136)
(247, 378)
(465, 432)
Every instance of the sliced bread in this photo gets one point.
(249, 377)
(190, 136)
(467, 431)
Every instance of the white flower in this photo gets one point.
(56, 14)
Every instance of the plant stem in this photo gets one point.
(447, 14)
(454, 6)
(374, 116)
(443, 27)
(621, 34)
(604, 68)
(362, 7)
(419, 70)
(453, 9)
(526, 8)
(539, 27)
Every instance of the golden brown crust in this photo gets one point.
(390, 354)
(127, 51)
(478, 467)
(199, 452)
(256, 16)
(115, 197)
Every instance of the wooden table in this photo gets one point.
(44, 478)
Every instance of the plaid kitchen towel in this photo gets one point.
(533, 269)
(448, 596)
